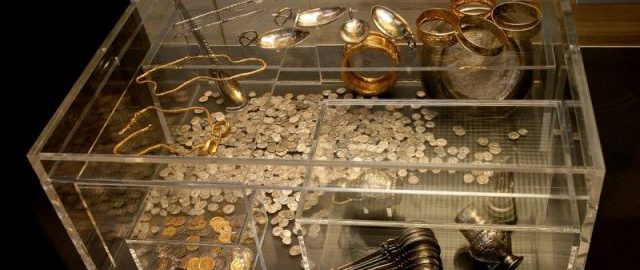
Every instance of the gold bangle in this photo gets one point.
(469, 20)
(517, 30)
(370, 86)
(437, 38)
(481, 8)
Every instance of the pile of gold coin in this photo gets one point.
(223, 228)
(200, 263)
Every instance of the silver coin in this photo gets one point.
(413, 180)
(513, 135)
(469, 178)
(482, 179)
(483, 141)
(228, 209)
(523, 132)
(430, 124)
(277, 231)
(286, 240)
(295, 251)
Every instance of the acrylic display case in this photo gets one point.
(312, 175)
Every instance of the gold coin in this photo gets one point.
(169, 232)
(224, 238)
(237, 264)
(206, 263)
(197, 223)
(163, 264)
(193, 263)
(193, 238)
(216, 222)
(216, 250)
(175, 221)
(225, 228)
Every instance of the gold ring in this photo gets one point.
(370, 86)
(469, 20)
(517, 30)
(437, 38)
(480, 8)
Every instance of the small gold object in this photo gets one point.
(193, 264)
(219, 130)
(237, 264)
(475, 21)
(517, 30)
(224, 238)
(169, 232)
(217, 223)
(440, 39)
(177, 63)
(206, 263)
(480, 8)
(175, 221)
(370, 86)
(197, 223)
(192, 238)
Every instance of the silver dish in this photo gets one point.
(275, 39)
(319, 16)
(391, 24)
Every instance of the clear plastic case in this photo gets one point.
(350, 171)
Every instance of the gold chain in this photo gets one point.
(175, 64)
(219, 130)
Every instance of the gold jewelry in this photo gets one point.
(481, 8)
(370, 86)
(219, 130)
(154, 85)
(517, 30)
(469, 20)
(437, 38)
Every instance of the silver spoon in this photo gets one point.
(392, 24)
(354, 30)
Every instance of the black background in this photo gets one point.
(68, 34)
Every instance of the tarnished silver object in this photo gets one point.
(275, 39)
(490, 246)
(415, 248)
(503, 209)
(230, 88)
(392, 24)
(309, 18)
(211, 18)
(466, 75)
(371, 179)
(354, 30)
(319, 16)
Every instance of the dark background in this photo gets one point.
(77, 28)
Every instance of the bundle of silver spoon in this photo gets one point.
(415, 248)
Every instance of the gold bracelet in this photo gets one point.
(469, 20)
(433, 38)
(517, 30)
(154, 85)
(369, 86)
(219, 130)
(481, 8)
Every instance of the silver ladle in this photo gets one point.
(354, 30)
(391, 24)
